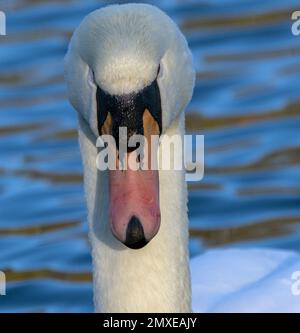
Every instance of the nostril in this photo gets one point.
(135, 238)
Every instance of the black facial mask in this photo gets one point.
(127, 110)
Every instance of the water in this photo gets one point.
(246, 103)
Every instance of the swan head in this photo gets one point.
(130, 66)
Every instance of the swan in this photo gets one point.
(119, 56)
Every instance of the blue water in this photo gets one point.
(246, 103)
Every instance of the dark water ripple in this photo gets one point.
(246, 102)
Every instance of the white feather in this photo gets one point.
(124, 45)
(121, 48)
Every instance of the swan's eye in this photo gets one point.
(91, 77)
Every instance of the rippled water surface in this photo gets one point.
(246, 103)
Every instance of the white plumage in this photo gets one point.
(120, 49)
(248, 280)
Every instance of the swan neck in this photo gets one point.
(155, 278)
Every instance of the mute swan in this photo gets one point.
(118, 55)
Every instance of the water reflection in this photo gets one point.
(246, 103)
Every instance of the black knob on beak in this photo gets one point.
(135, 238)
